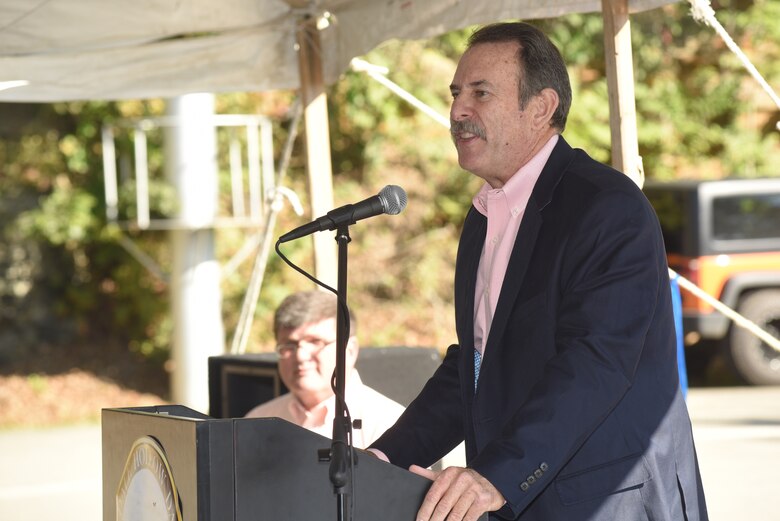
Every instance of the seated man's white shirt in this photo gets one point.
(377, 412)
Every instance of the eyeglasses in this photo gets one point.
(315, 345)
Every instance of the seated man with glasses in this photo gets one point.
(305, 330)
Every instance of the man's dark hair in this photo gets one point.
(541, 64)
(304, 307)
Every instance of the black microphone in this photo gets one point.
(390, 199)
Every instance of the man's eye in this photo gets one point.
(481, 93)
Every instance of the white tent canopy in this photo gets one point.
(117, 49)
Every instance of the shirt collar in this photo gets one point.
(517, 190)
(324, 411)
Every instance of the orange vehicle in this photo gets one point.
(724, 236)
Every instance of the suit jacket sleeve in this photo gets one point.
(432, 424)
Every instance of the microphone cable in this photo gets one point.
(341, 398)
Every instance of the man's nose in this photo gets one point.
(460, 109)
(303, 353)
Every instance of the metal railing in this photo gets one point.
(259, 169)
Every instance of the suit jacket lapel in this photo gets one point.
(472, 241)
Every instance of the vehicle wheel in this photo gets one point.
(755, 361)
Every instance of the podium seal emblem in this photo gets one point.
(146, 490)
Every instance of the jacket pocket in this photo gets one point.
(617, 476)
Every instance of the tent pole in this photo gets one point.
(318, 162)
(620, 85)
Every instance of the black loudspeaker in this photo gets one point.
(237, 383)
(397, 372)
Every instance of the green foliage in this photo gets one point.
(45, 223)
(699, 113)
(83, 271)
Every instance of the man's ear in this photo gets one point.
(352, 351)
(543, 107)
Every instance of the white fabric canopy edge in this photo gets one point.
(251, 48)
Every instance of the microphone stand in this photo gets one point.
(341, 452)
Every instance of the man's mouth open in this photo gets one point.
(466, 131)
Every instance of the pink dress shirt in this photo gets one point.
(504, 208)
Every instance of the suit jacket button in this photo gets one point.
(530, 480)
(524, 486)
(543, 467)
(538, 473)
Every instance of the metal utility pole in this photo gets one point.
(191, 166)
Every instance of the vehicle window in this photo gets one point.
(746, 217)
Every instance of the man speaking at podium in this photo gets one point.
(564, 380)
(305, 331)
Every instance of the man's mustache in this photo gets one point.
(466, 126)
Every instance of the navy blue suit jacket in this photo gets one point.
(578, 413)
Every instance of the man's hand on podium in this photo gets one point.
(457, 494)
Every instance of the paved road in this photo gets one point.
(737, 432)
(52, 474)
(56, 474)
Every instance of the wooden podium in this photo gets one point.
(174, 463)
